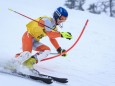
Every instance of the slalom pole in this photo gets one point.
(28, 17)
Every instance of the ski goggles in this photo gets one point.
(62, 18)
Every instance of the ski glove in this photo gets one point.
(66, 35)
(59, 50)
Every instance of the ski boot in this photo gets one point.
(30, 62)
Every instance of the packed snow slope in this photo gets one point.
(90, 63)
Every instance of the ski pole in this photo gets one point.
(29, 18)
(54, 53)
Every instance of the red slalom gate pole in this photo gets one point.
(71, 46)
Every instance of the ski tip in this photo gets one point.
(49, 81)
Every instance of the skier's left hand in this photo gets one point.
(66, 35)
(59, 50)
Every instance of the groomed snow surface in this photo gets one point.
(90, 63)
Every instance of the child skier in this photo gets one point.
(46, 26)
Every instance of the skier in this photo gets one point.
(46, 26)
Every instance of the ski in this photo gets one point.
(31, 77)
(35, 75)
(45, 80)
(57, 79)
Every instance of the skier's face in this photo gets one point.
(61, 19)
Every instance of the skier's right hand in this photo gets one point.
(60, 50)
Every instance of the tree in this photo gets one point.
(80, 5)
(107, 7)
(75, 4)
(70, 4)
(93, 9)
(111, 14)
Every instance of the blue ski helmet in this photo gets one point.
(60, 12)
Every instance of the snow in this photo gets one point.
(90, 63)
